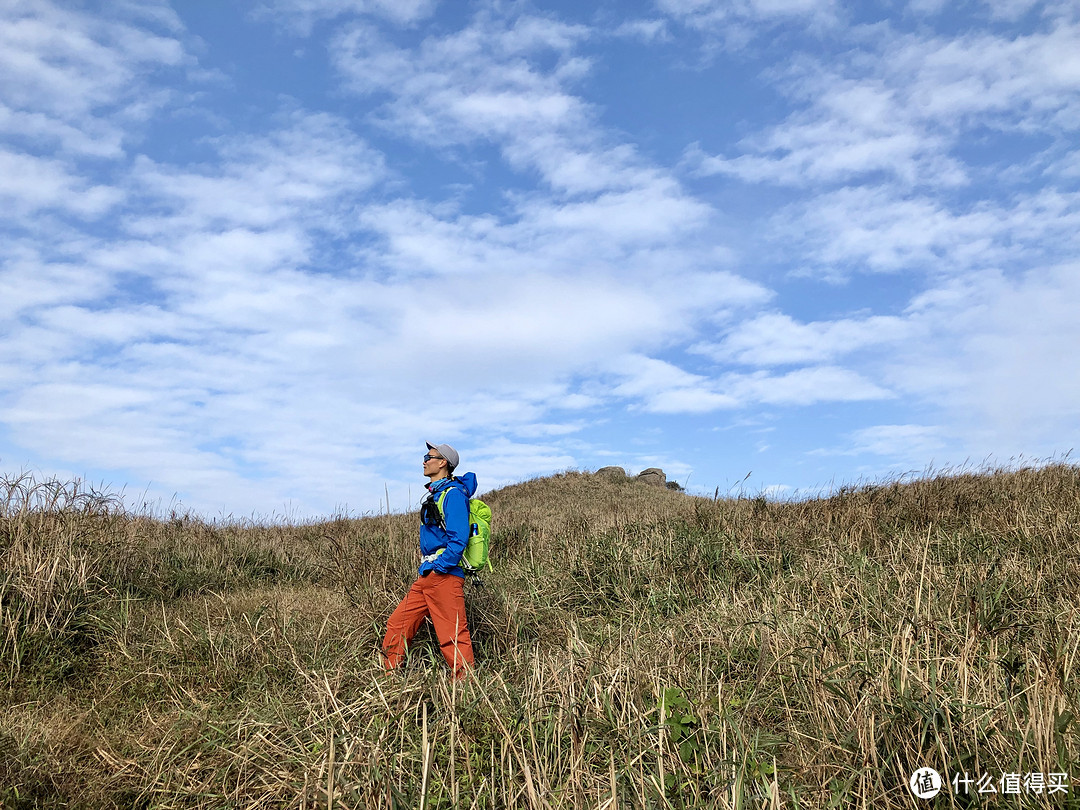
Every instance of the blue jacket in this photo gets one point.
(453, 535)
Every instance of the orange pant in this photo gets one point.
(442, 597)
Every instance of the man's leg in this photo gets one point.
(445, 597)
(402, 626)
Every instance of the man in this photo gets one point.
(438, 591)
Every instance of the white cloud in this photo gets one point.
(986, 354)
(805, 386)
(900, 108)
(475, 84)
(212, 384)
(726, 15)
(904, 443)
(1010, 9)
(1009, 82)
(882, 229)
(1067, 167)
(93, 138)
(76, 87)
(646, 30)
(549, 237)
(484, 84)
(777, 339)
(291, 174)
(1000, 359)
(29, 184)
(302, 15)
(507, 460)
(487, 83)
(991, 358)
(29, 280)
(78, 80)
(94, 326)
(648, 214)
(856, 131)
(927, 7)
(665, 388)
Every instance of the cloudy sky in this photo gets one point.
(253, 254)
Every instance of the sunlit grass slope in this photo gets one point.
(638, 647)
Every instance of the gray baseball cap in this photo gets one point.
(446, 451)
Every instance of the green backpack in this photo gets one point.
(475, 556)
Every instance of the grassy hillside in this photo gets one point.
(638, 648)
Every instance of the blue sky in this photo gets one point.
(254, 254)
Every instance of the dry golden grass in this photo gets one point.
(638, 648)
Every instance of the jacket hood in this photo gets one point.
(467, 481)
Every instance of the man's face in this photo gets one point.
(434, 464)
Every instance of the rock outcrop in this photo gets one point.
(612, 472)
(654, 476)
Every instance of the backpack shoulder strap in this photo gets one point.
(460, 487)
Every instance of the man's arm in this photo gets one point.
(456, 519)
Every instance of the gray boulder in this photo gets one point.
(612, 472)
(654, 476)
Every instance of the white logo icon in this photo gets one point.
(925, 783)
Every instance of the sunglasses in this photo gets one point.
(429, 457)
